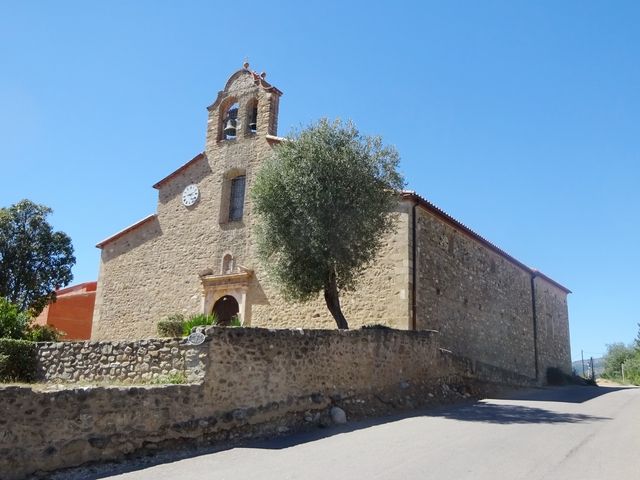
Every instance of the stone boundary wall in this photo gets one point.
(121, 362)
(255, 382)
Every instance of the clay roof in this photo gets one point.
(438, 212)
(126, 230)
(179, 169)
(79, 288)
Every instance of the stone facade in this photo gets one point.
(486, 305)
(438, 275)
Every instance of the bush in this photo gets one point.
(177, 326)
(172, 326)
(17, 360)
(43, 333)
(13, 322)
(198, 321)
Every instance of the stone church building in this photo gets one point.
(196, 255)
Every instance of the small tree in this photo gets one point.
(324, 203)
(617, 354)
(34, 260)
(13, 322)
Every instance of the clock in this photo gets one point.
(190, 195)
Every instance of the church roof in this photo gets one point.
(126, 230)
(441, 214)
(159, 183)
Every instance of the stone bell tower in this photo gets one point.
(246, 108)
(241, 131)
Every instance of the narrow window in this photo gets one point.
(252, 115)
(236, 201)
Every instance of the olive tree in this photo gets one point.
(34, 259)
(324, 203)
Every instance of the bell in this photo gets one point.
(230, 128)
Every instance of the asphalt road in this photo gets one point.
(562, 433)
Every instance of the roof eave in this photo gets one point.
(125, 231)
(423, 202)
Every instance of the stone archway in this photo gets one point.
(225, 308)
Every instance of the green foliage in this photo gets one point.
(34, 259)
(199, 320)
(177, 326)
(43, 333)
(13, 322)
(324, 204)
(617, 354)
(171, 326)
(235, 321)
(17, 360)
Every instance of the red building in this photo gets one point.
(72, 312)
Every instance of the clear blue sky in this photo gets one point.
(521, 119)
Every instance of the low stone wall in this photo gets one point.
(254, 382)
(122, 362)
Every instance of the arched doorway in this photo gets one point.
(225, 308)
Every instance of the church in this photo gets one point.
(196, 254)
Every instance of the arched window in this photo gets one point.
(228, 265)
(236, 199)
(252, 115)
(230, 122)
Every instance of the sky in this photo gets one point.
(520, 119)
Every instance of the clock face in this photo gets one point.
(190, 195)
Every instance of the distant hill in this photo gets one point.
(598, 366)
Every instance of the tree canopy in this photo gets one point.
(324, 203)
(34, 259)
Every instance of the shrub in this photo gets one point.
(43, 333)
(172, 326)
(198, 321)
(235, 321)
(13, 322)
(17, 360)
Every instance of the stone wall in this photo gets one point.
(479, 301)
(256, 382)
(122, 362)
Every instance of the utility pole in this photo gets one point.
(584, 375)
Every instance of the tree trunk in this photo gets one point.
(332, 299)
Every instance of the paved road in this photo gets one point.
(564, 433)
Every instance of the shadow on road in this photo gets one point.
(508, 414)
(570, 394)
